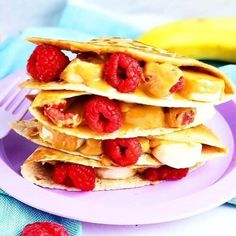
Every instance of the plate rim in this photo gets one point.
(188, 211)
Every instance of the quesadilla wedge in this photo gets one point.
(87, 116)
(130, 71)
(42, 167)
(180, 149)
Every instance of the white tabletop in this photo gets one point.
(217, 222)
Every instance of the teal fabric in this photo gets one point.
(96, 23)
(15, 51)
(14, 215)
(230, 71)
(77, 23)
(232, 201)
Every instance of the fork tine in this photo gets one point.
(11, 98)
(19, 100)
(8, 89)
(23, 109)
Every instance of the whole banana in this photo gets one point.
(203, 38)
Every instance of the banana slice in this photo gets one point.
(46, 135)
(161, 77)
(79, 70)
(144, 142)
(115, 173)
(178, 155)
(201, 87)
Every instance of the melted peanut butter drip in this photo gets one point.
(158, 79)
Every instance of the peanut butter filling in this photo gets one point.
(134, 115)
(88, 147)
(158, 79)
(171, 153)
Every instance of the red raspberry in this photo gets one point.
(59, 117)
(123, 152)
(46, 63)
(44, 229)
(102, 114)
(122, 72)
(151, 174)
(179, 85)
(60, 106)
(79, 176)
(164, 173)
(60, 173)
(83, 177)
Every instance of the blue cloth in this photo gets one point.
(77, 23)
(14, 215)
(230, 71)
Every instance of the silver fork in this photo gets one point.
(13, 104)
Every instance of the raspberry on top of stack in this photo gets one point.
(120, 114)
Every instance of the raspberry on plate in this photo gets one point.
(102, 114)
(46, 63)
(123, 151)
(122, 72)
(44, 228)
(78, 176)
(164, 173)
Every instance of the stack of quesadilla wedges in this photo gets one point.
(119, 114)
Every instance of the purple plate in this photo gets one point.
(208, 187)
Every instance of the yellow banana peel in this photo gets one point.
(203, 38)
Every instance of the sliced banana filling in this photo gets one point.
(202, 87)
(178, 154)
(115, 173)
(171, 153)
(160, 80)
(109, 173)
